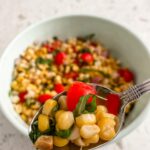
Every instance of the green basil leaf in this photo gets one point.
(87, 37)
(85, 50)
(80, 107)
(85, 70)
(91, 107)
(41, 60)
(64, 133)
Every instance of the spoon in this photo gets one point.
(126, 97)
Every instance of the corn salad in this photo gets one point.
(48, 68)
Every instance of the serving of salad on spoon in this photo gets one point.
(86, 116)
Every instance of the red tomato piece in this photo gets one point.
(22, 96)
(77, 90)
(60, 58)
(87, 58)
(53, 46)
(49, 48)
(72, 75)
(113, 103)
(44, 97)
(59, 88)
(126, 74)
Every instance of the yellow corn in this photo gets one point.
(107, 129)
(43, 123)
(48, 107)
(60, 142)
(93, 139)
(57, 114)
(88, 131)
(65, 120)
(85, 119)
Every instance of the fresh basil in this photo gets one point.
(29, 102)
(86, 37)
(85, 50)
(80, 107)
(63, 133)
(35, 133)
(91, 107)
(84, 70)
(41, 60)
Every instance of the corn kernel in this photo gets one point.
(43, 123)
(85, 119)
(93, 139)
(48, 107)
(107, 130)
(60, 142)
(88, 131)
(65, 120)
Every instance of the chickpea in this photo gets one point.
(65, 120)
(107, 129)
(85, 119)
(88, 131)
(60, 142)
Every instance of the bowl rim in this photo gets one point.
(138, 120)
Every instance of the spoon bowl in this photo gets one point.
(126, 97)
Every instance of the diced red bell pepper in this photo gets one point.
(22, 96)
(127, 75)
(43, 98)
(113, 103)
(73, 75)
(59, 88)
(60, 58)
(87, 58)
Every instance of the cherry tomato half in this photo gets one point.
(76, 90)
(60, 58)
(87, 58)
(22, 96)
(126, 74)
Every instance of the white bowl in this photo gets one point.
(121, 42)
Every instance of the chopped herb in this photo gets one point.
(91, 107)
(55, 38)
(85, 50)
(41, 60)
(35, 133)
(84, 70)
(82, 105)
(64, 133)
(54, 110)
(55, 52)
(29, 102)
(87, 37)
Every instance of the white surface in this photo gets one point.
(16, 15)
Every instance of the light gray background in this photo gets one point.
(16, 15)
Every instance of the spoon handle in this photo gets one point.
(135, 92)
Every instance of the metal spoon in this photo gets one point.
(128, 96)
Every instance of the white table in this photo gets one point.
(16, 15)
